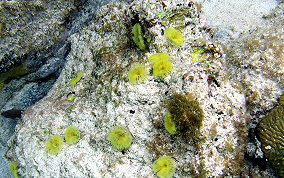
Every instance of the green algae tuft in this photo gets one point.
(187, 114)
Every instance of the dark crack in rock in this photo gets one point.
(18, 94)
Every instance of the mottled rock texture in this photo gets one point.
(258, 55)
(28, 27)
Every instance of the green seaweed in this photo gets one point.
(13, 166)
(13, 73)
(186, 114)
(169, 124)
(75, 80)
(199, 54)
(138, 36)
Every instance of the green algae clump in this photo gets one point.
(75, 80)
(54, 144)
(71, 97)
(271, 134)
(169, 124)
(13, 166)
(138, 36)
(72, 135)
(164, 167)
(174, 36)
(120, 137)
(137, 74)
(187, 114)
(199, 54)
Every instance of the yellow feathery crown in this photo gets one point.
(120, 137)
(137, 74)
(157, 57)
(72, 135)
(162, 68)
(54, 144)
(164, 167)
(174, 36)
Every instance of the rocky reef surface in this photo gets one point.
(236, 82)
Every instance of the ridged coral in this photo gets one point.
(271, 134)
